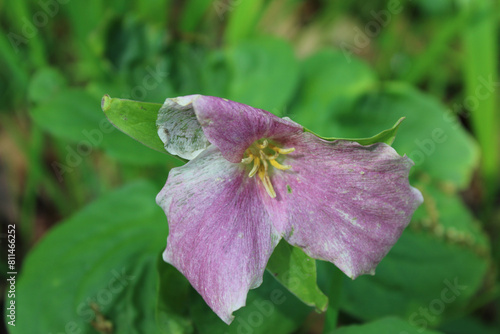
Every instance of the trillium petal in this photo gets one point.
(179, 128)
(232, 126)
(346, 203)
(220, 235)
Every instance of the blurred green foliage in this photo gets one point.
(342, 69)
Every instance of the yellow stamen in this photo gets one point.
(263, 159)
(248, 159)
(263, 153)
(286, 150)
(256, 165)
(267, 182)
(263, 145)
(272, 157)
(281, 150)
(279, 166)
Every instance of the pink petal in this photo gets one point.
(221, 236)
(232, 126)
(345, 203)
(179, 129)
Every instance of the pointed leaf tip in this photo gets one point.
(134, 118)
(386, 136)
(105, 102)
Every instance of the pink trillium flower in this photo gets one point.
(254, 178)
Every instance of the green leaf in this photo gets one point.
(297, 272)
(439, 264)
(330, 84)
(469, 324)
(347, 102)
(257, 67)
(134, 118)
(126, 43)
(148, 11)
(431, 135)
(189, 63)
(480, 66)
(192, 13)
(389, 325)
(270, 308)
(242, 20)
(172, 309)
(89, 36)
(73, 115)
(105, 254)
(214, 73)
(431, 7)
(46, 83)
(68, 114)
(386, 136)
(123, 148)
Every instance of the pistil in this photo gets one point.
(256, 153)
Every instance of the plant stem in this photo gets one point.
(481, 79)
(334, 293)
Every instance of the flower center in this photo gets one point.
(262, 153)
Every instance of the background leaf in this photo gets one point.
(173, 300)
(432, 255)
(330, 84)
(427, 136)
(271, 308)
(192, 13)
(105, 254)
(257, 68)
(390, 325)
(243, 16)
(68, 114)
(297, 272)
(46, 84)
